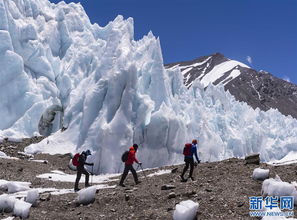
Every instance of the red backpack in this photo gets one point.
(187, 149)
(75, 159)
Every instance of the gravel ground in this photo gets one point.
(222, 189)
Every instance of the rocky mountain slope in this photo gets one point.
(222, 189)
(258, 89)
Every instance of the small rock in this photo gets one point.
(174, 170)
(43, 212)
(208, 190)
(240, 204)
(112, 194)
(169, 209)
(45, 197)
(190, 194)
(252, 159)
(78, 213)
(20, 169)
(127, 197)
(171, 195)
(167, 187)
(45, 162)
(112, 210)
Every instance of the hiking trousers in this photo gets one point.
(78, 176)
(189, 162)
(126, 171)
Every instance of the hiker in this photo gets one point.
(129, 165)
(81, 169)
(189, 151)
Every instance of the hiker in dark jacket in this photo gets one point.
(189, 161)
(81, 169)
(129, 165)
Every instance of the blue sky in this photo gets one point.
(260, 33)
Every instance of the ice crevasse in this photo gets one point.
(114, 91)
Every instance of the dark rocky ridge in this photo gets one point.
(258, 89)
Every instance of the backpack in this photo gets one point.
(187, 149)
(125, 156)
(75, 159)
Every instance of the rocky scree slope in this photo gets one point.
(222, 189)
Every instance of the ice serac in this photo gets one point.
(114, 91)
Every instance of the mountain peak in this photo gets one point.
(258, 89)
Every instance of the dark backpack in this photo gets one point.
(187, 149)
(125, 156)
(75, 159)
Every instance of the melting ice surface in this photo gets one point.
(115, 92)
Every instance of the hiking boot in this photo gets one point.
(192, 178)
(183, 179)
(87, 185)
(137, 182)
(122, 185)
(75, 190)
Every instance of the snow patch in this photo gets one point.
(32, 196)
(159, 172)
(6, 203)
(185, 210)
(87, 195)
(219, 70)
(13, 187)
(59, 176)
(260, 174)
(276, 187)
(4, 156)
(21, 209)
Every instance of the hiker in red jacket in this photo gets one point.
(129, 165)
(81, 169)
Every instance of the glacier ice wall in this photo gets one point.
(115, 92)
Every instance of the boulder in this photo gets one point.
(252, 159)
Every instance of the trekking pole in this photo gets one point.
(92, 175)
(137, 166)
(143, 172)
